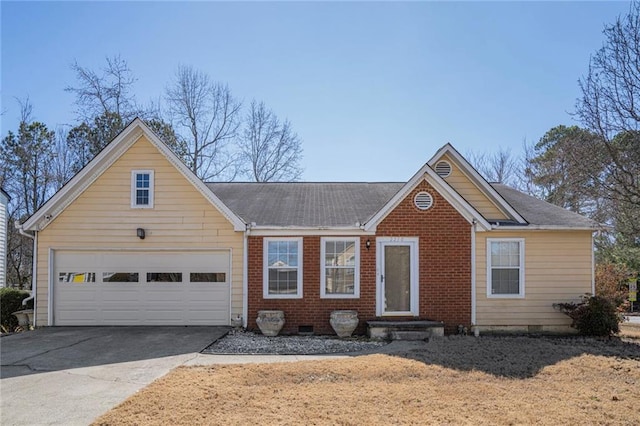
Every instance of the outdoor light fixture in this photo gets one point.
(140, 233)
(368, 244)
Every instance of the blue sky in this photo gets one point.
(373, 89)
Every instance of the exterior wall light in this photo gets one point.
(140, 233)
(368, 244)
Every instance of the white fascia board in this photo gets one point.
(297, 231)
(477, 179)
(238, 224)
(114, 150)
(507, 228)
(444, 189)
(85, 177)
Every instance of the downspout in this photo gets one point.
(245, 277)
(593, 265)
(33, 268)
(475, 329)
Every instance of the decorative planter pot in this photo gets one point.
(270, 322)
(344, 322)
(25, 317)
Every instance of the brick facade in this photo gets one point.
(444, 270)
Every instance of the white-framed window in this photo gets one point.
(282, 268)
(142, 189)
(339, 268)
(505, 267)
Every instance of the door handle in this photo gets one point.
(381, 278)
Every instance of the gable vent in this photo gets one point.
(443, 169)
(423, 200)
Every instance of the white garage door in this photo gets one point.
(141, 288)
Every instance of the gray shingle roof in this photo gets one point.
(300, 204)
(539, 212)
(305, 204)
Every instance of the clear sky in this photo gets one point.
(373, 89)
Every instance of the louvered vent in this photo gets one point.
(443, 169)
(423, 200)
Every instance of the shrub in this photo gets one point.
(11, 301)
(612, 283)
(593, 316)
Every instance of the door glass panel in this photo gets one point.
(397, 278)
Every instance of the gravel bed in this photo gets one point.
(240, 342)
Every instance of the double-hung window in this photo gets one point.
(505, 267)
(142, 189)
(282, 272)
(340, 268)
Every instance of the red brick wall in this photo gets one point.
(444, 270)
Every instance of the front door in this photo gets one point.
(397, 290)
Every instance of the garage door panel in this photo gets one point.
(120, 288)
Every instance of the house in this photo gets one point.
(4, 201)
(136, 239)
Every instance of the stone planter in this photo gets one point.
(25, 317)
(270, 322)
(344, 322)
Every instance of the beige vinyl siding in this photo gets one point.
(102, 218)
(558, 268)
(470, 192)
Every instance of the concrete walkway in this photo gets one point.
(71, 375)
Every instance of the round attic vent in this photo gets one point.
(423, 200)
(443, 169)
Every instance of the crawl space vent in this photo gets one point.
(443, 169)
(423, 200)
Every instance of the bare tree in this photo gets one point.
(207, 117)
(608, 107)
(107, 92)
(500, 166)
(269, 147)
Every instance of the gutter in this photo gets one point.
(33, 267)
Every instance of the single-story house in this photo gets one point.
(4, 201)
(135, 238)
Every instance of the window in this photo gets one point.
(164, 277)
(77, 277)
(340, 268)
(207, 277)
(142, 189)
(119, 277)
(282, 273)
(505, 267)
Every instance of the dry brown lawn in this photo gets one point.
(455, 381)
(630, 330)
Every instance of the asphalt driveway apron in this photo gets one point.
(71, 375)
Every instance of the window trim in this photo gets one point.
(521, 293)
(323, 269)
(265, 269)
(134, 174)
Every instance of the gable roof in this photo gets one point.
(101, 162)
(297, 204)
(540, 213)
(495, 197)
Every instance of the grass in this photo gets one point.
(454, 381)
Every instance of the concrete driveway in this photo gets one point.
(71, 375)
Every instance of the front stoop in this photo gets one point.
(404, 330)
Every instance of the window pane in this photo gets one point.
(505, 281)
(164, 277)
(340, 281)
(142, 180)
(208, 277)
(505, 253)
(283, 281)
(120, 277)
(77, 277)
(142, 196)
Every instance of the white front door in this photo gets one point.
(397, 276)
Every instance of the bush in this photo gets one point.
(593, 316)
(11, 301)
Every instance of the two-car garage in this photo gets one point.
(118, 287)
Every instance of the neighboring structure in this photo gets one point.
(4, 202)
(135, 238)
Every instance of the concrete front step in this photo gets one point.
(405, 330)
